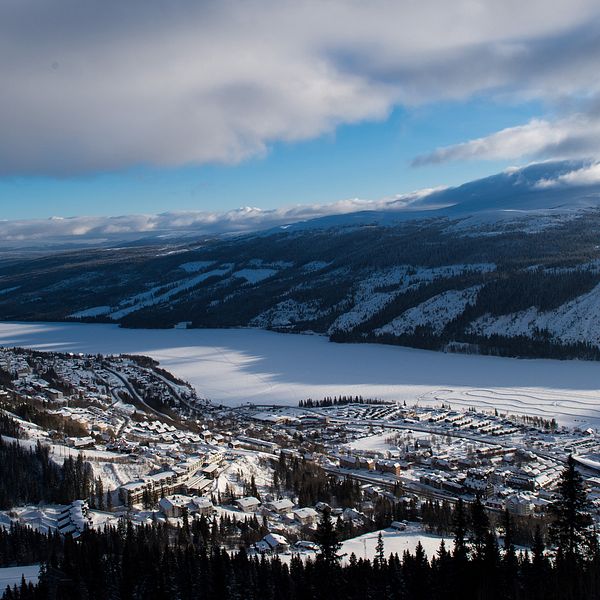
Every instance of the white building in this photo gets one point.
(248, 504)
(306, 516)
(281, 507)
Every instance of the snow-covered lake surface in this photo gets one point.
(235, 366)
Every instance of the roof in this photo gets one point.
(202, 502)
(306, 513)
(283, 504)
(275, 539)
(248, 502)
(175, 500)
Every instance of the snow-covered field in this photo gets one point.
(394, 542)
(234, 366)
(10, 576)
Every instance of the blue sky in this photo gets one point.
(151, 106)
(370, 160)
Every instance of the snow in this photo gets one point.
(436, 312)
(574, 321)
(394, 542)
(315, 265)
(368, 300)
(287, 312)
(236, 366)
(9, 290)
(194, 267)
(372, 443)
(152, 297)
(96, 311)
(10, 576)
(254, 275)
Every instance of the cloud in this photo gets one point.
(95, 230)
(96, 86)
(588, 175)
(573, 136)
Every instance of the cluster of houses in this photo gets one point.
(283, 507)
(383, 465)
(193, 475)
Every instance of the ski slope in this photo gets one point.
(236, 366)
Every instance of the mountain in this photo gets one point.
(507, 265)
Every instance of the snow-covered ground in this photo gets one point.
(572, 322)
(235, 366)
(436, 312)
(394, 542)
(369, 298)
(10, 576)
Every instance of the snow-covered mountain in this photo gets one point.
(509, 264)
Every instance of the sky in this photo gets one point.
(150, 107)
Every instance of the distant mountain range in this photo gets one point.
(506, 265)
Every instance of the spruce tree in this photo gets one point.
(327, 539)
(480, 525)
(569, 530)
(460, 531)
(380, 551)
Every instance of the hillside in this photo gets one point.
(472, 274)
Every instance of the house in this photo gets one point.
(74, 519)
(256, 444)
(54, 394)
(366, 463)
(307, 545)
(276, 542)
(248, 504)
(306, 516)
(348, 462)
(389, 466)
(174, 506)
(201, 506)
(211, 470)
(164, 483)
(519, 504)
(349, 514)
(81, 442)
(281, 506)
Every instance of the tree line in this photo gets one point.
(30, 476)
(161, 562)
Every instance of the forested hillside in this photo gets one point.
(526, 287)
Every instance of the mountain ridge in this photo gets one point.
(501, 280)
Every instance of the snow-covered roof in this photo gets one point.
(283, 504)
(275, 539)
(248, 502)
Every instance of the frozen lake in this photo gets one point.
(235, 366)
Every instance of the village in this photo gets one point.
(159, 453)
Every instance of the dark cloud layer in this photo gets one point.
(96, 86)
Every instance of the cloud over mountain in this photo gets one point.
(572, 136)
(88, 229)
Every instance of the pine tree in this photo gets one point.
(100, 493)
(460, 531)
(327, 539)
(569, 530)
(480, 525)
(380, 551)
